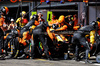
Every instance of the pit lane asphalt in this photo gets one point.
(43, 62)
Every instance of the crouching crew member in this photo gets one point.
(79, 38)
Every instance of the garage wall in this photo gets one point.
(9, 4)
(92, 13)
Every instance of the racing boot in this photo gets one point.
(2, 57)
(50, 58)
(88, 61)
(24, 56)
(77, 59)
(9, 56)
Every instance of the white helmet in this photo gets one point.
(12, 20)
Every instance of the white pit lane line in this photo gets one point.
(96, 64)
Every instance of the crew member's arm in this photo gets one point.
(9, 27)
(52, 22)
(64, 27)
(76, 27)
(17, 21)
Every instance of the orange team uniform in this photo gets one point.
(51, 35)
(1, 21)
(61, 28)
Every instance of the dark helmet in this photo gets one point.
(98, 19)
(35, 17)
(94, 23)
(4, 10)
